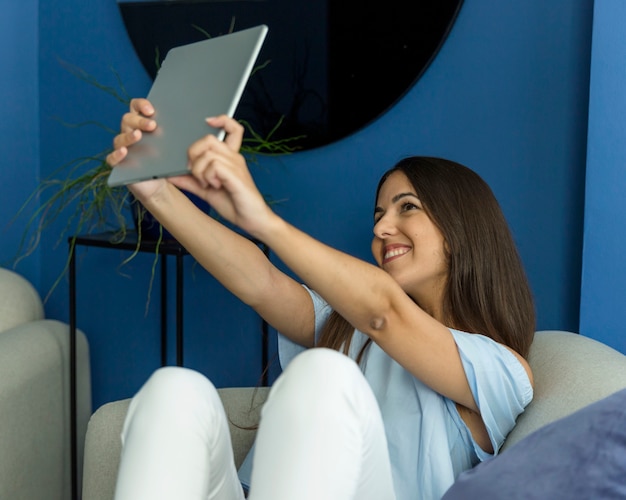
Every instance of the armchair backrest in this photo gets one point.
(570, 371)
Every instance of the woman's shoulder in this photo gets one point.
(480, 350)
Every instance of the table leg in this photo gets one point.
(163, 310)
(179, 309)
(72, 367)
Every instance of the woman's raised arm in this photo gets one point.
(234, 260)
(368, 297)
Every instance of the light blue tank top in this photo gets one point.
(429, 444)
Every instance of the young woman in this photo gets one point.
(418, 371)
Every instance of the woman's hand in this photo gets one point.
(221, 177)
(219, 173)
(134, 124)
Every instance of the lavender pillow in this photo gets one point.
(582, 455)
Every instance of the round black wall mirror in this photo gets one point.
(327, 68)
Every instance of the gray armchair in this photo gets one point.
(571, 371)
(34, 396)
(103, 444)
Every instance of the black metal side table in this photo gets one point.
(106, 240)
(165, 248)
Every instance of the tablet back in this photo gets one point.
(195, 81)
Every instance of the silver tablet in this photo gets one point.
(195, 81)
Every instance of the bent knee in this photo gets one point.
(178, 387)
(172, 378)
(325, 363)
(321, 374)
(175, 401)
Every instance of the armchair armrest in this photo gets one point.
(103, 444)
(19, 301)
(35, 408)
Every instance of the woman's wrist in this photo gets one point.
(160, 196)
(267, 227)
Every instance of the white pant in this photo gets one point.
(321, 436)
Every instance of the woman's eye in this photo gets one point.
(406, 206)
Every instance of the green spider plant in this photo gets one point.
(78, 194)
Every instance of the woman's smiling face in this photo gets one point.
(408, 245)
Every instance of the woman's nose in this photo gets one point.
(384, 227)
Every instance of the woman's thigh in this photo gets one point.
(321, 435)
(176, 441)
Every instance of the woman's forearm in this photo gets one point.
(235, 261)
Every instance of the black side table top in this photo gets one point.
(111, 239)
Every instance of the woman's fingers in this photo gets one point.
(116, 156)
(125, 139)
(121, 142)
(203, 167)
(221, 175)
(202, 145)
(209, 147)
(139, 116)
(134, 123)
(234, 130)
(141, 106)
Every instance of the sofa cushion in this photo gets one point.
(579, 456)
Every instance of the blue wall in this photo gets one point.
(19, 127)
(604, 265)
(507, 95)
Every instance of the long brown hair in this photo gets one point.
(487, 290)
